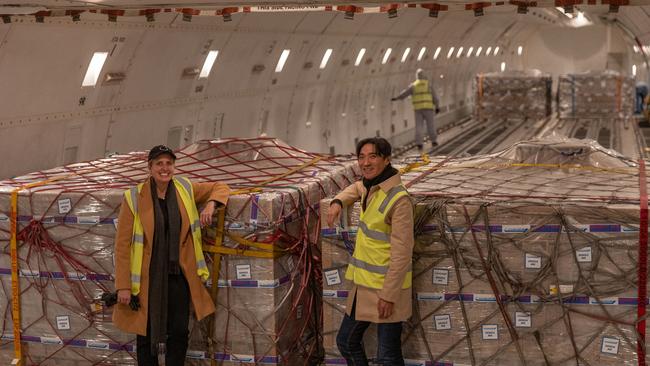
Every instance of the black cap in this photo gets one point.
(156, 151)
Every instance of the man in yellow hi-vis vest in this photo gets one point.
(380, 267)
(425, 102)
(159, 258)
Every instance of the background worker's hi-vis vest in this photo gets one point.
(421, 97)
(184, 188)
(371, 258)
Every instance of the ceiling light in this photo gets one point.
(386, 56)
(422, 52)
(207, 64)
(496, 50)
(488, 51)
(503, 66)
(520, 49)
(451, 52)
(283, 58)
(359, 56)
(94, 68)
(435, 55)
(326, 58)
(460, 52)
(478, 51)
(406, 54)
(469, 52)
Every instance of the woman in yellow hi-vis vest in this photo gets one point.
(380, 267)
(159, 260)
(425, 102)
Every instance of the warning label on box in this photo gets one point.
(442, 322)
(332, 277)
(440, 276)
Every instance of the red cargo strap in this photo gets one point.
(643, 264)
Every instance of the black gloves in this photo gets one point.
(110, 298)
(393, 99)
(437, 110)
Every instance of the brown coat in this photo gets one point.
(400, 217)
(136, 321)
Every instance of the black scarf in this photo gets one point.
(388, 172)
(164, 261)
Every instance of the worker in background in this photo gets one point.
(380, 267)
(425, 102)
(159, 262)
(641, 94)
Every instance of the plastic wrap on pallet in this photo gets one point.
(596, 94)
(554, 223)
(268, 310)
(512, 95)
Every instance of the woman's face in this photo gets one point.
(162, 169)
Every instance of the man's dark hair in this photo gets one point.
(382, 146)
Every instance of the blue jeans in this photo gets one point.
(389, 342)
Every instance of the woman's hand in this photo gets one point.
(206, 214)
(124, 296)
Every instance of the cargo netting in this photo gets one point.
(269, 297)
(529, 256)
(515, 95)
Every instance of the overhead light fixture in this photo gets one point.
(283, 59)
(227, 17)
(478, 51)
(326, 58)
(423, 50)
(406, 54)
(496, 50)
(75, 15)
(520, 49)
(633, 70)
(392, 13)
(460, 52)
(386, 56)
(503, 66)
(488, 51)
(469, 52)
(94, 68)
(635, 48)
(451, 52)
(208, 63)
(150, 17)
(435, 55)
(114, 77)
(359, 57)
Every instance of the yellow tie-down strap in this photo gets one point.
(264, 250)
(417, 164)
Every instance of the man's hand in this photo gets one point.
(393, 99)
(124, 296)
(384, 308)
(206, 214)
(333, 214)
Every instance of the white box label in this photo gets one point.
(65, 205)
(584, 254)
(243, 271)
(442, 322)
(533, 261)
(63, 322)
(332, 277)
(88, 220)
(523, 319)
(440, 276)
(609, 345)
(490, 331)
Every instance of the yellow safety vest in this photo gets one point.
(371, 258)
(184, 188)
(421, 98)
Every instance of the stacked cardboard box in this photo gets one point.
(595, 94)
(268, 309)
(527, 256)
(512, 95)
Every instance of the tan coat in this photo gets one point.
(136, 321)
(400, 217)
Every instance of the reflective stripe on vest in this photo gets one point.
(421, 97)
(184, 188)
(371, 258)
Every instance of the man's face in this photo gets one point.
(370, 162)
(162, 169)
